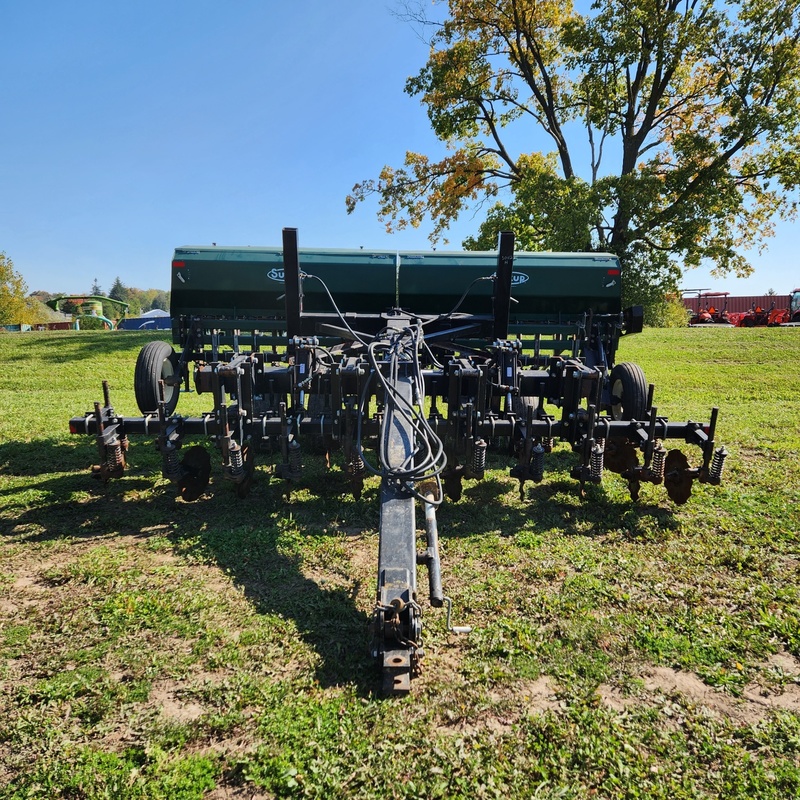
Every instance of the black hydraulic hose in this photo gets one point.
(461, 300)
(428, 459)
(335, 307)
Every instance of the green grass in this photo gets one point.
(151, 648)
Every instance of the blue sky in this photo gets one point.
(127, 129)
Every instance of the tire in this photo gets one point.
(157, 361)
(520, 407)
(628, 392)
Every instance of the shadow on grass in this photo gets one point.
(57, 347)
(493, 506)
(259, 541)
(254, 540)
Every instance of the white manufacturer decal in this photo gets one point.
(276, 274)
(518, 278)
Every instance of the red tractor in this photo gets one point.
(787, 316)
(707, 312)
(757, 316)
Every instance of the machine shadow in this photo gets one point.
(89, 346)
(260, 541)
(253, 540)
(493, 505)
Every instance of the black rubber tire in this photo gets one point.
(628, 392)
(156, 361)
(520, 407)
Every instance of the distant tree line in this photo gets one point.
(18, 306)
(138, 300)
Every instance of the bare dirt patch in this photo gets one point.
(528, 697)
(505, 705)
(614, 698)
(165, 695)
(235, 793)
(786, 663)
(664, 683)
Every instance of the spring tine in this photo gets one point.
(717, 463)
(651, 429)
(708, 446)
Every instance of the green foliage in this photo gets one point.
(15, 306)
(670, 313)
(564, 224)
(688, 114)
(118, 290)
(139, 300)
(12, 292)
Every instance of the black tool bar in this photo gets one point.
(270, 425)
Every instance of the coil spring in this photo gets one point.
(537, 462)
(355, 466)
(479, 457)
(237, 460)
(548, 443)
(172, 466)
(596, 461)
(659, 459)
(115, 458)
(295, 458)
(717, 463)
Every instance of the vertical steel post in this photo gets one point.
(502, 284)
(291, 280)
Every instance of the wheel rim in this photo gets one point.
(616, 408)
(167, 371)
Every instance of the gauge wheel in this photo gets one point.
(628, 392)
(520, 407)
(157, 361)
(196, 465)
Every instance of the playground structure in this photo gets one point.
(88, 307)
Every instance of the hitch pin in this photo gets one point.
(454, 628)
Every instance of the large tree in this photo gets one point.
(15, 306)
(670, 127)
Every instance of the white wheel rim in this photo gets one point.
(167, 372)
(616, 391)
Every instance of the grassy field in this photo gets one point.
(151, 648)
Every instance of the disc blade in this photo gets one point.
(677, 479)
